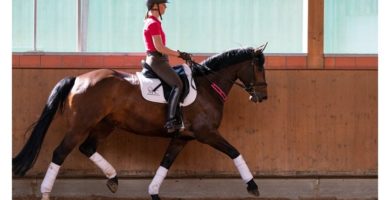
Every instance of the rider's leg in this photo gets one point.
(161, 67)
(174, 121)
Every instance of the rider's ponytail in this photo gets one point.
(147, 14)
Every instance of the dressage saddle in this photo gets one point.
(149, 73)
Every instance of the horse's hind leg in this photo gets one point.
(89, 149)
(71, 139)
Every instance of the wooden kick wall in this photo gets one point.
(316, 122)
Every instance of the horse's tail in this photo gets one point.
(27, 157)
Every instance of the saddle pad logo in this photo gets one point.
(152, 92)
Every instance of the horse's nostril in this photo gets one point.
(265, 97)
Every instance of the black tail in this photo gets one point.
(27, 157)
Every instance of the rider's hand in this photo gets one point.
(185, 56)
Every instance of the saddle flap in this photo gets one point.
(152, 86)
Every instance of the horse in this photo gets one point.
(99, 101)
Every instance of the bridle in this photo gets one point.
(250, 88)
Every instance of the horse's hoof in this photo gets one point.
(252, 188)
(255, 193)
(45, 196)
(155, 197)
(112, 184)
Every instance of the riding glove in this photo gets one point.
(185, 56)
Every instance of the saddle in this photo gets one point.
(155, 90)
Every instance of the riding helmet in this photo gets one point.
(150, 3)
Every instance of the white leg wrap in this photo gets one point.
(103, 164)
(246, 175)
(154, 186)
(50, 177)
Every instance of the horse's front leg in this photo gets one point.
(175, 147)
(214, 139)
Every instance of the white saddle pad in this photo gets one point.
(147, 86)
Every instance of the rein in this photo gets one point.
(193, 63)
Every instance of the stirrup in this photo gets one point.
(174, 125)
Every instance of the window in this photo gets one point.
(22, 25)
(214, 26)
(351, 26)
(201, 26)
(57, 25)
(115, 26)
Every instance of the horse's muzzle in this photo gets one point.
(258, 98)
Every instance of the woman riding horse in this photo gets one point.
(99, 101)
(157, 58)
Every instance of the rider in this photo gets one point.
(157, 58)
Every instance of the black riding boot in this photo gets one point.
(174, 120)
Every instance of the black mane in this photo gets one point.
(220, 61)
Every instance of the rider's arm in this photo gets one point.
(158, 44)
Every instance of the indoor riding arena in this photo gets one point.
(313, 136)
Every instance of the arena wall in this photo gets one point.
(316, 122)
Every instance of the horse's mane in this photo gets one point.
(220, 61)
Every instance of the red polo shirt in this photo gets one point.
(152, 26)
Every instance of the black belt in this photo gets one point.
(154, 53)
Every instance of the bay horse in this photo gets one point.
(98, 101)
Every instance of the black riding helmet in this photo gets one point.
(150, 4)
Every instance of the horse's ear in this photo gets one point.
(261, 48)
